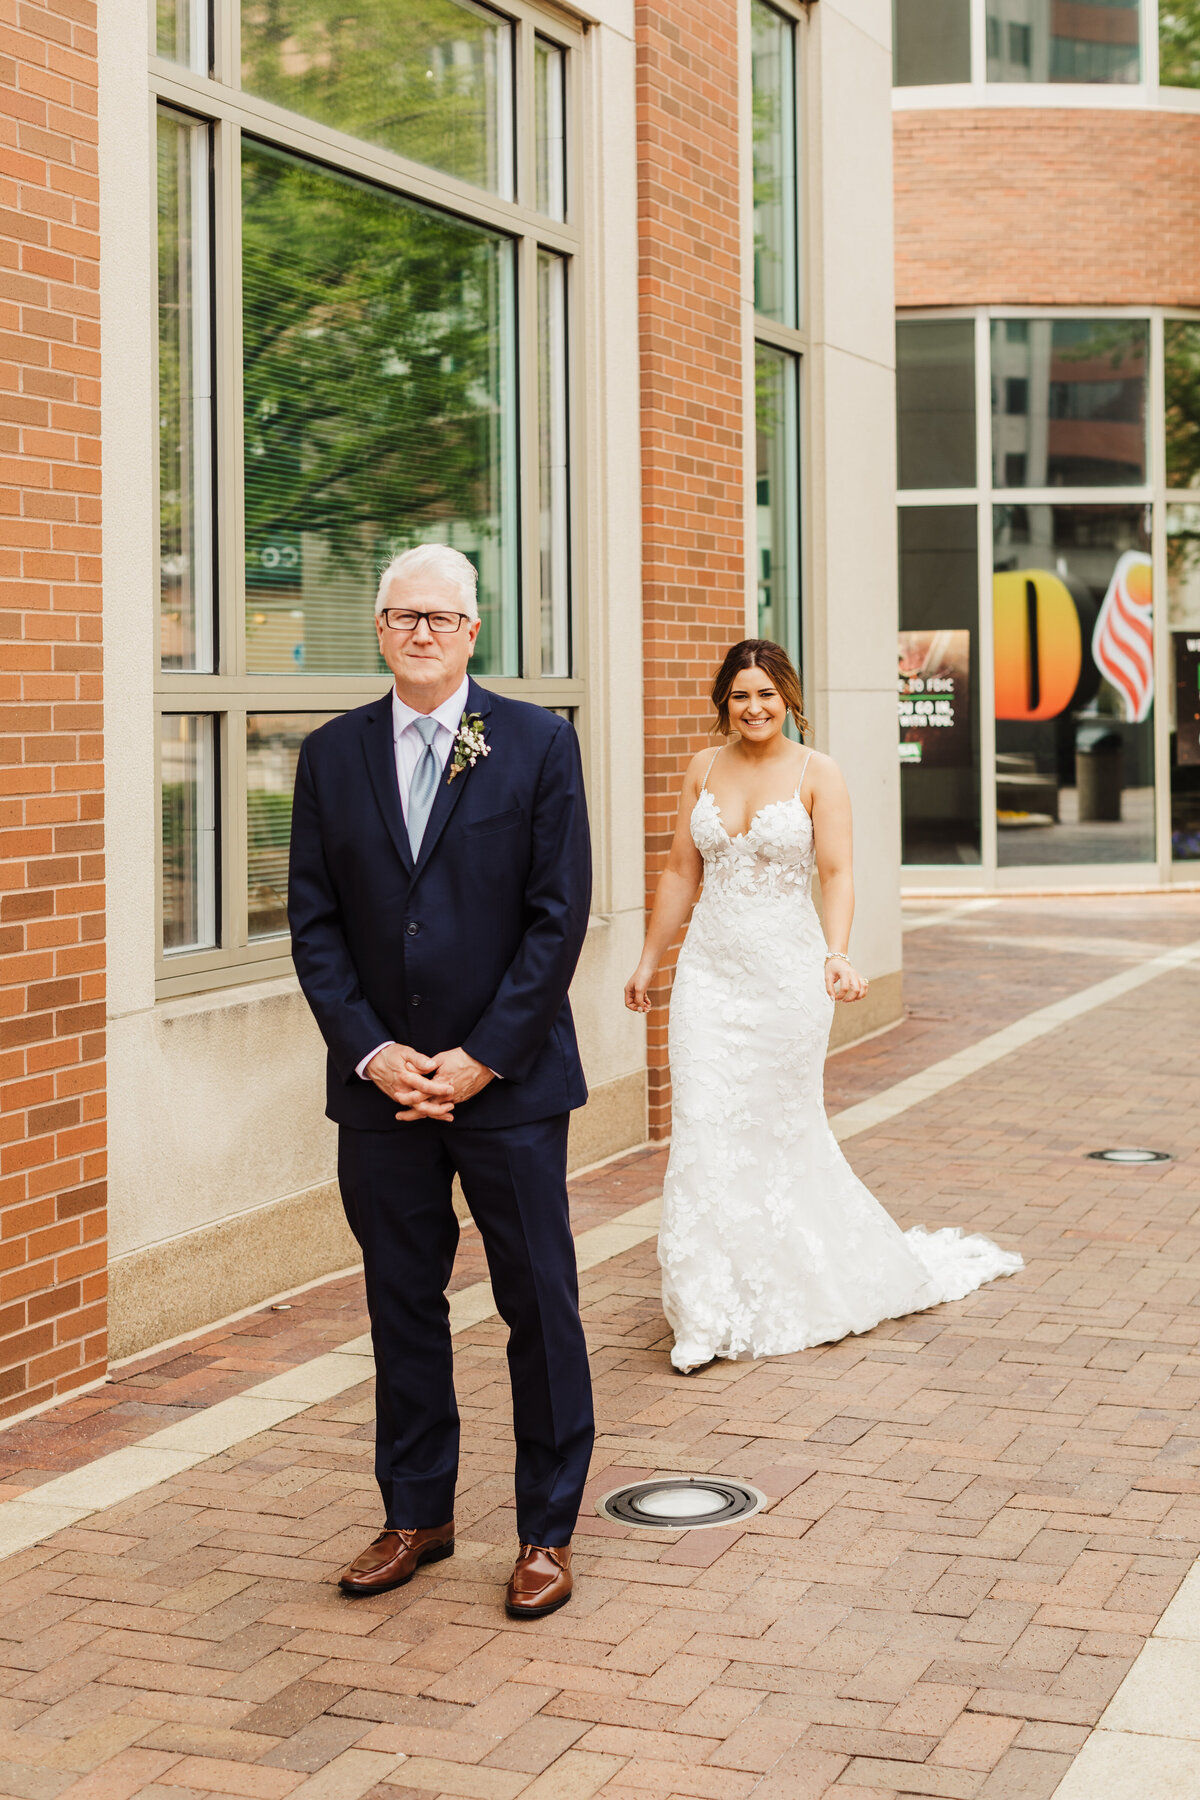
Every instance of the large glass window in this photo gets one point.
(1080, 42)
(1069, 402)
(378, 351)
(273, 744)
(1046, 666)
(1179, 43)
(773, 62)
(1047, 40)
(189, 831)
(1183, 620)
(931, 42)
(779, 315)
(777, 495)
(935, 402)
(185, 466)
(1074, 669)
(432, 82)
(938, 675)
(364, 342)
(1181, 368)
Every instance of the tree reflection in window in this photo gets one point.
(379, 410)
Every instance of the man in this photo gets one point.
(439, 887)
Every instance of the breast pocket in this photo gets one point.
(501, 821)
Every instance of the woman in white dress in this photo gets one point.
(769, 1242)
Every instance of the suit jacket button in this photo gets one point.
(414, 1000)
(412, 929)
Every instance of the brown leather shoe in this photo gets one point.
(395, 1557)
(540, 1583)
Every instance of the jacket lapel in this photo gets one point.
(380, 749)
(448, 792)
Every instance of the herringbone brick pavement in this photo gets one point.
(978, 1513)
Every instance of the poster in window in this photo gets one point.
(1187, 697)
(934, 676)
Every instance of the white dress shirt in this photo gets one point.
(408, 746)
(408, 742)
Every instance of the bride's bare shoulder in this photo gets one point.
(821, 773)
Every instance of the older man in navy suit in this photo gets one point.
(439, 887)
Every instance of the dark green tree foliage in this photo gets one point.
(1181, 342)
(420, 77)
(372, 360)
(1179, 43)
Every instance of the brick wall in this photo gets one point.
(693, 523)
(1047, 208)
(52, 1134)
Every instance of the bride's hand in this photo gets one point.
(843, 981)
(637, 989)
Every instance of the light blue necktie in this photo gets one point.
(424, 784)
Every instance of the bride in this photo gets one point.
(769, 1241)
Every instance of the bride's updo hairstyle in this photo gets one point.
(774, 661)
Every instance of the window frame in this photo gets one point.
(231, 692)
(1154, 493)
(792, 341)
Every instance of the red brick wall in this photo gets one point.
(52, 1134)
(1047, 208)
(693, 523)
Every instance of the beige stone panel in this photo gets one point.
(882, 1006)
(612, 1040)
(217, 1106)
(862, 740)
(852, 167)
(165, 1290)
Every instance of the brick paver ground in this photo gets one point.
(978, 1513)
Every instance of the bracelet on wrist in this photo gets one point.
(836, 956)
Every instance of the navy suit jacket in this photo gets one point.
(473, 943)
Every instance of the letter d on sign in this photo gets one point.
(1038, 644)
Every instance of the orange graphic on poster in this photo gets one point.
(1038, 644)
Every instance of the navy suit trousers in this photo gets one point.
(396, 1189)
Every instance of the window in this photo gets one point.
(935, 403)
(931, 42)
(1075, 42)
(779, 322)
(364, 342)
(1029, 638)
(1043, 40)
(1179, 43)
(1069, 405)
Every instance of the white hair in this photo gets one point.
(440, 560)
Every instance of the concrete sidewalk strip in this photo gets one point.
(64, 1500)
(1120, 1765)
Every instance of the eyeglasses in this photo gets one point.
(444, 623)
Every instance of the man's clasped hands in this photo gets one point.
(427, 1087)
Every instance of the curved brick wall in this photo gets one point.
(1047, 208)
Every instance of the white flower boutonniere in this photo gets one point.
(469, 745)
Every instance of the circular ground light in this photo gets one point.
(1129, 1156)
(681, 1502)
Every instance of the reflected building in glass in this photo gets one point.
(1048, 400)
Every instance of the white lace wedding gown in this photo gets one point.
(769, 1241)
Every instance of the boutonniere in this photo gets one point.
(469, 745)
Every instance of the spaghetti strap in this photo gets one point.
(803, 771)
(712, 759)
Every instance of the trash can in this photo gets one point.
(1098, 773)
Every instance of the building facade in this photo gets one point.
(601, 296)
(1048, 344)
